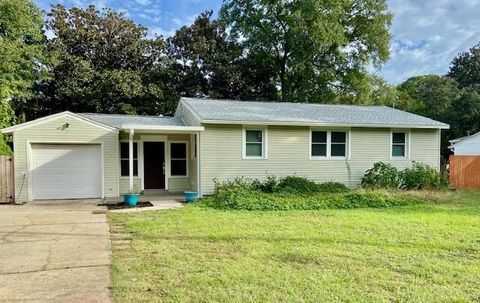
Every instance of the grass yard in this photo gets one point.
(421, 253)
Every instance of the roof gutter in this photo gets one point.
(168, 128)
(372, 125)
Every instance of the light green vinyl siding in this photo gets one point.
(125, 184)
(288, 154)
(78, 132)
(187, 115)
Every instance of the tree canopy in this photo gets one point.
(453, 98)
(465, 68)
(22, 47)
(207, 63)
(319, 50)
(430, 95)
(101, 64)
(22, 56)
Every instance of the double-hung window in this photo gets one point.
(338, 147)
(254, 144)
(399, 145)
(178, 159)
(124, 159)
(319, 144)
(328, 144)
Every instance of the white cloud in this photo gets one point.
(99, 4)
(428, 34)
(143, 2)
(177, 21)
(160, 31)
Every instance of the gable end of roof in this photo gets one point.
(25, 125)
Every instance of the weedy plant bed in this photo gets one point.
(295, 193)
(241, 199)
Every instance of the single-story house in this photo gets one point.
(79, 155)
(466, 146)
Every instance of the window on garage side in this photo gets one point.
(124, 158)
(178, 159)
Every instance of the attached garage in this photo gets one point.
(65, 156)
(66, 171)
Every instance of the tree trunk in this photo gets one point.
(283, 85)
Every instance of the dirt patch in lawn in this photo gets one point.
(122, 205)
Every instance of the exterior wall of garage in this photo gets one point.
(53, 131)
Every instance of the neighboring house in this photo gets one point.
(69, 155)
(466, 146)
(464, 165)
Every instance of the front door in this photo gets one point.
(154, 165)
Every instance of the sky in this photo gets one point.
(427, 34)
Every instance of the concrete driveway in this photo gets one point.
(54, 252)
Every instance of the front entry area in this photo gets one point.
(154, 165)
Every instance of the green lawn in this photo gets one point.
(422, 253)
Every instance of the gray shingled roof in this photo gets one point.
(305, 113)
(119, 120)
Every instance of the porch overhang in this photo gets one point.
(162, 128)
(153, 132)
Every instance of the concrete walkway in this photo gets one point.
(54, 252)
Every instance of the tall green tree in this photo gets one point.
(102, 64)
(465, 68)
(429, 95)
(22, 56)
(439, 98)
(206, 63)
(319, 50)
(464, 118)
(22, 47)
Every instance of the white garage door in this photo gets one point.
(62, 171)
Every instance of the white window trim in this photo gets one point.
(139, 157)
(407, 144)
(329, 144)
(170, 159)
(264, 131)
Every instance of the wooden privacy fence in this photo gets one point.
(7, 190)
(465, 171)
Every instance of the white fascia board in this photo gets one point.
(11, 129)
(445, 126)
(164, 128)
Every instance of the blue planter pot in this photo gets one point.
(190, 196)
(130, 199)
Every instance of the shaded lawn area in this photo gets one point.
(422, 253)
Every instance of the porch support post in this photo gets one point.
(130, 159)
(197, 150)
